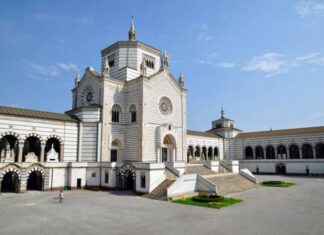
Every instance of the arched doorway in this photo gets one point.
(126, 177)
(168, 149)
(248, 152)
(10, 183)
(35, 181)
(116, 151)
(281, 169)
(270, 152)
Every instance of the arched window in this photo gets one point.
(210, 153)
(190, 151)
(32, 149)
(53, 150)
(132, 111)
(320, 150)
(115, 150)
(294, 151)
(197, 152)
(215, 152)
(282, 151)
(204, 152)
(307, 151)
(248, 152)
(116, 113)
(259, 152)
(9, 147)
(270, 152)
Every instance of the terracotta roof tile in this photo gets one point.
(295, 131)
(20, 112)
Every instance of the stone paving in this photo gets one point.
(296, 210)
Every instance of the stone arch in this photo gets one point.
(116, 113)
(216, 152)
(281, 151)
(132, 110)
(10, 179)
(126, 177)
(35, 168)
(56, 142)
(259, 153)
(270, 152)
(116, 150)
(248, 152)
(169, 146)
(13, 134)
(204, 152)
(210, 153)
(14, 169)
(307, 151)
(35, 178)
(33, 134)
(294, 151)
(9, 146)
(319, 150)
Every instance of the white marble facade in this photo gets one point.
(127, 123)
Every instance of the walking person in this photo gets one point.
(61, 195)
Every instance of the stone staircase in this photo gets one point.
(230, 183)
(160, 192)
(198, 169)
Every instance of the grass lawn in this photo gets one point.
(223, 202)
(277, 184)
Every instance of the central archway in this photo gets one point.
(10, 183)
(168, 148)
(35, 181)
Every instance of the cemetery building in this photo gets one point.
(127, 129)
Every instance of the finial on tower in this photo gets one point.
(132, 32)
(165, 60)
(105, 67)
(181, 80)
(222, 112)
(77, 79)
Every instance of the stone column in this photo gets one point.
(62, 153)
(42, 154)
(287, 153)
(300, 152)
(20, 152)
(158, 158)
(314, 151)
(173, 154)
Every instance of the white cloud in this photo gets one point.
(44, 72)
(270, 63)
(312, 58)
(69, 67)
(47, 71)
(310, 8)
(204, 37)
(225, 65)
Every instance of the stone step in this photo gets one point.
(160, 192)
(231, 183)
(170, 175)
(198, 169)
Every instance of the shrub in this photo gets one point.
(208, 198)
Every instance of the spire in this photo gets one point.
(77, 79)
(105, 67)
(222, 112)
(181, 80)
(165, 60)
(132, 32)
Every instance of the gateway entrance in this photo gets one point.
(35, 181)
(10, 183)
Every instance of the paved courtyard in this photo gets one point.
(295, 210)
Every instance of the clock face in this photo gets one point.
(165, 106)
(90, 96)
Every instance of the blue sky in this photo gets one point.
(262, 60)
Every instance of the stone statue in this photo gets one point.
(165, 60)
(31, 157)
(52, 155)
(143, 68)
